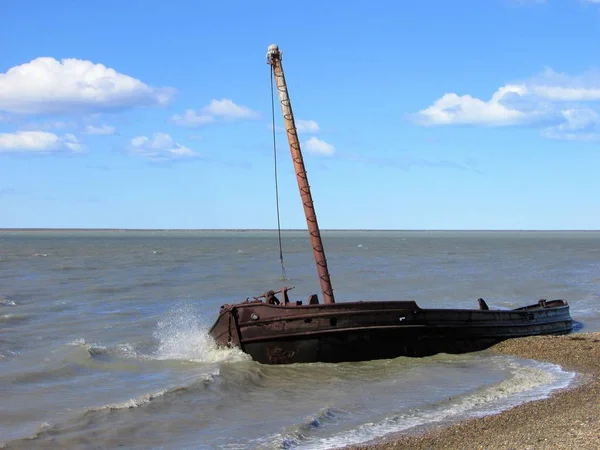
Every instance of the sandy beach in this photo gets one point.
(570, 419)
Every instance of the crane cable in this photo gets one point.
(283, 276)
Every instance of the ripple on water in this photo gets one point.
(14, 318)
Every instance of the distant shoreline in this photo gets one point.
(243, 230)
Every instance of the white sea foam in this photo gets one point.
(92, 348)
(529, 381)
(183, 335)
(6, 302)
(8, 353)
(132, 403)
(180, 335)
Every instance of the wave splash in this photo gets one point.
(183, 335)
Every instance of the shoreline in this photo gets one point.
(568, 419)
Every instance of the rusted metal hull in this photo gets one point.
(365, 331)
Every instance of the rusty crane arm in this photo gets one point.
(274, 59)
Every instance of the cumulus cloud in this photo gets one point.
(307, 126)
(224, 109)
(316, 146)
(160, 147)
(562, 105)
(39, 142)
(463, 109)
(46, 86)
(101, 130)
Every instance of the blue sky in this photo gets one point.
(412, 115)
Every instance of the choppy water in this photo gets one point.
(103, 335)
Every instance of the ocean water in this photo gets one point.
(103, 335)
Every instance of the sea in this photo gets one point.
(104, 344)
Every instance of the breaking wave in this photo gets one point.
(183, 335)
(180, 335)
(324, 417)
(133, 403)
(530, 381)
(137, 401)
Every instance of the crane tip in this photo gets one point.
(273, 52)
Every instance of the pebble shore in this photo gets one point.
(569, 419)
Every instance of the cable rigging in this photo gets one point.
(283, 275)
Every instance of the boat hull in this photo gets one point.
(365, 331)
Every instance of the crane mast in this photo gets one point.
(274, 57)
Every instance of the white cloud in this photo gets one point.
(307, 126)
(579, 119)
(316, 146)
(46, 85)
(102, 130)
(559, 87)
(38, 142)
(578, 125)
(559, 93)
(161, 147)
(191, 118)
(226, 109)
(464, 109)
(563, 106)
(70, 141)
(217, 109)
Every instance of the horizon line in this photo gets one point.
(300, 229)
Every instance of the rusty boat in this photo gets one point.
(276, 330)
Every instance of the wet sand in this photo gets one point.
(570, 419)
